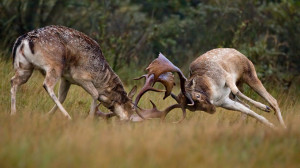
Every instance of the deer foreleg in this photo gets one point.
(62, 94)
(90, 88)
(49, 83)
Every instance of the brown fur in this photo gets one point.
(66, 53)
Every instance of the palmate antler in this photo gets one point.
(167, 79)
(160, 70)
(155, 113)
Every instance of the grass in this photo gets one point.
(32, 140)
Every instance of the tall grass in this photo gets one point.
(31, 139)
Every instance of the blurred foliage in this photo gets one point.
(133, 32)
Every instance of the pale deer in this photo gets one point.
(213, 82)
(74, 58)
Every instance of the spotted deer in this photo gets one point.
(214, 81)
(74, 58)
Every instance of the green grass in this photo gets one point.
(30, 139)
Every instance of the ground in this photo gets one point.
(31, 139)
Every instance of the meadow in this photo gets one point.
(31, 139)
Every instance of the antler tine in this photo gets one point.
(166, 111)
(138, 78)
(170, 108)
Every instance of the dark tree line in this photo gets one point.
(132, 32)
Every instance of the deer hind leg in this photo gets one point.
(52, 76)
(21, 76)
(231, 84)
(62, 94)
(236, 106)
(257, 86)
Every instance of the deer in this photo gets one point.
(65, 54)
(215, 80)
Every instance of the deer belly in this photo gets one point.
(219, 97)
(74, 76)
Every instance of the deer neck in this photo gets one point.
(112, 90)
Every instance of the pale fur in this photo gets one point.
(214, 77)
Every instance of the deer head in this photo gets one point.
(118, 103)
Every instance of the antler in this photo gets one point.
(167, 79)
(148, 86)
(160, 70)
(155, 113)
(104, 115)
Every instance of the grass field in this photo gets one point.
(30, 139)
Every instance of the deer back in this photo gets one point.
(72, 53)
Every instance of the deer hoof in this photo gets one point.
(268, 109)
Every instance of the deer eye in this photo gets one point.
(198, 95)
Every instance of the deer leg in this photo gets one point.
(90, 88)
(62, 94)
(231, 84)
(257, 86)
(49, 83)
(240, 87)
(233, 97)
(21, 76)
(232, 105)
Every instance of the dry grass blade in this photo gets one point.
(32, 140)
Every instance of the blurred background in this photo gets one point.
(132, 32)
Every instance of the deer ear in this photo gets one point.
(193, 84)
(132, 92)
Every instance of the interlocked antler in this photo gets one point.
(160, 70)
(155, 113)
(167, 79)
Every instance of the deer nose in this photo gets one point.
(135, 118)
(124, 118)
